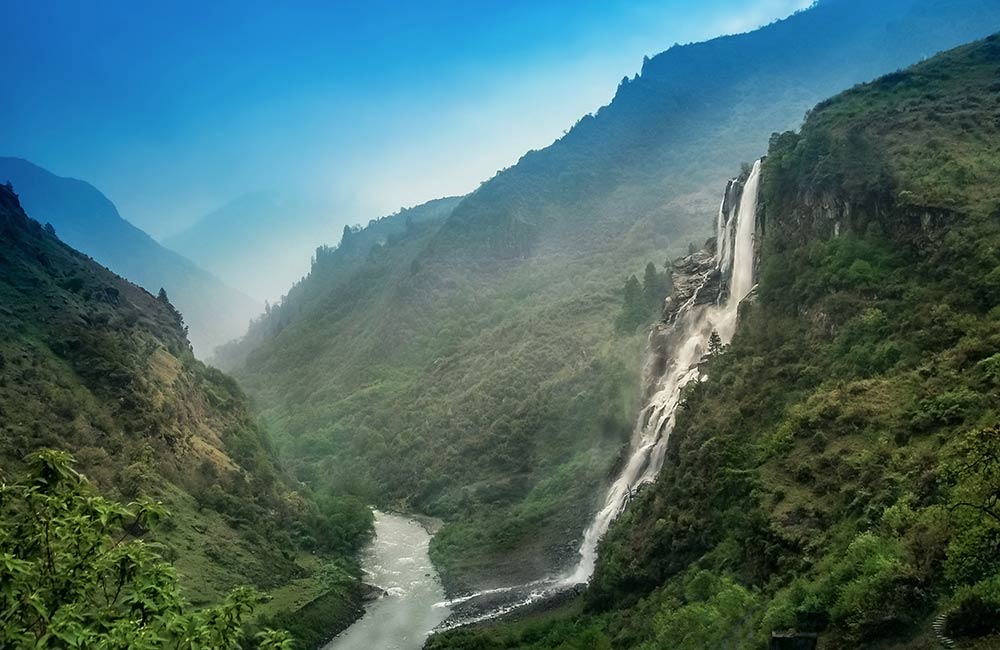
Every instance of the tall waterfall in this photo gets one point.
(675, 350)
(684, 343)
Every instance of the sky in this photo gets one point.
(173, 109)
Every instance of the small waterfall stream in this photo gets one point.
(682, 344)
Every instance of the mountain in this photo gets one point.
(472, 369)
(96, 366)
(87, 220)
(257, 226)
(337, 265)
(837, 472)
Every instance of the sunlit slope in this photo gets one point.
(97, 366)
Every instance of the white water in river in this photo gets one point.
(413, 605)
(689, 342)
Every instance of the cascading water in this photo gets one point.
(682, 343)
(687, 342)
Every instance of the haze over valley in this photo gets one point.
(705, 356)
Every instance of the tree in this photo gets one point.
(979, 470)
(654, 289)
(75, 572)
(178, 316)
(714, 344)
(50, 229)
(634, 311)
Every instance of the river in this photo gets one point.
(414, 603)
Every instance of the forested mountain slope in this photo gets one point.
(838, 470)
(87, 220)
(332, 269)
(472, 369)
(97, 366)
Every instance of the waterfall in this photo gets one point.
(683, 341)
(686, 342)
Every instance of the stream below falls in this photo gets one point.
(414, 602)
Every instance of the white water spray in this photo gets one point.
(687, 343)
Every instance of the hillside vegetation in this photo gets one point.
(87, 220)
(96, 366)
(839, 470)
(472, 367)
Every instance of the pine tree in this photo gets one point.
(634, 310)
(653, 289)
(714, 344)
(178, 317)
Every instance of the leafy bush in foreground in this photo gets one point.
(75, 573)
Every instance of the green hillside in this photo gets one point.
(471, 367)
(94, 365)
(87, 220)
(838, 471)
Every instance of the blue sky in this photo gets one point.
(174, 108)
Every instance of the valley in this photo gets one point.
(720, 363)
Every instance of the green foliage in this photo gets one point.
(837, 471)
(977, 609)
(635, 309)
(446, 403)
(642, 302)
(714, 613)
(96, 366)
(714, 344)
(75, 573)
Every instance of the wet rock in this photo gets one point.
(695, 278)
(371, 593)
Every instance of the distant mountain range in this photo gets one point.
(232, 241)
(86, 219)
(469, 367)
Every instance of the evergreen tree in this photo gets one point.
(634, 311)
(162, 297)
(714, 344)
(653, 289)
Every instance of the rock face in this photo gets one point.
(695, 278)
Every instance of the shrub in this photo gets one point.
(75, 573)
(977, 612)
